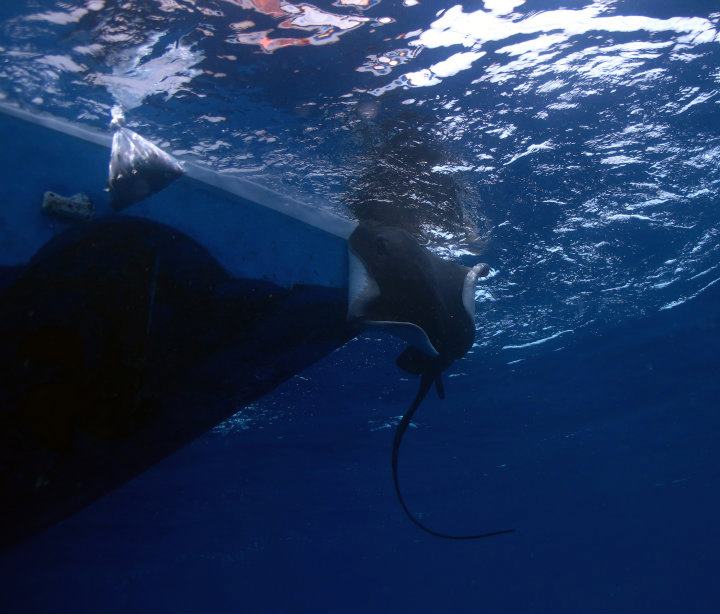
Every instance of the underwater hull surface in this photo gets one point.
(254, 232)
(127, 336)
(122, 341)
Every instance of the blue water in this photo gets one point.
(583, 137)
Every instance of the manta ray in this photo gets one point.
(398, 286)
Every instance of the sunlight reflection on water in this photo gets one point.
(582, 141)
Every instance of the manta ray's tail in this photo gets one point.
(426, 382)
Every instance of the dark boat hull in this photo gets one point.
(123, 340)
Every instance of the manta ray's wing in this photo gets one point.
(415, 361)
(397, 286)
(363, 291)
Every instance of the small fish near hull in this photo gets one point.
(123, 340)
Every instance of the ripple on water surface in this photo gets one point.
(582, 142)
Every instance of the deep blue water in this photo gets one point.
(583, 137)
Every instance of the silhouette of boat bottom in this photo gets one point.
(125, 336)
